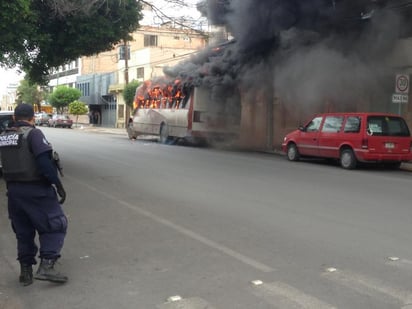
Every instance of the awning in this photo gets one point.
(116, 88)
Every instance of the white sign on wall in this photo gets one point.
(400, 98)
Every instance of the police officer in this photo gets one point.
(35, 194)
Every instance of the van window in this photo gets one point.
(314, 125)
(352, 125)
(332, 124)
(387, 126)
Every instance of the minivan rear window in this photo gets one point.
(387, 126)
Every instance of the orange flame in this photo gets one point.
(162, 93)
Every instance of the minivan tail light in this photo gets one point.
(364, 143)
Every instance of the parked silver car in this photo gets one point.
(42, 119)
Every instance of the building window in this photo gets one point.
(122, 52)
(84, 89)
(140, 73)
(150, 40)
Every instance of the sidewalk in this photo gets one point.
(98, 129)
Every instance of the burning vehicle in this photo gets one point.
(175, 110)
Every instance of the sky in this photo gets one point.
(7, 77)
(172, 10)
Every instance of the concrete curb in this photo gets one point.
(406, 167)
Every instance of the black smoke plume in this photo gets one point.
(304, 51)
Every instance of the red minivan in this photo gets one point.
(351, 138)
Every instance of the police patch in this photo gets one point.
(11, 139)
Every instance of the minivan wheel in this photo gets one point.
(347, 159)
(293, 153)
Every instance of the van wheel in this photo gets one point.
(164, 134)
(347, 159)
(293, 152)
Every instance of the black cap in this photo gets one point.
(24, 111)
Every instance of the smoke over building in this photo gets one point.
(303, 52)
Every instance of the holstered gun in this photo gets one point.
(56, 159)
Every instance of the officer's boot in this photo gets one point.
(47, 272)
(26, 274)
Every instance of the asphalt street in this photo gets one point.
(156, 226)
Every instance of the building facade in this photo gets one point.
(65, 75)
(151, 50)
(102, 77)
(8, 100)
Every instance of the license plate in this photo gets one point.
(389, 145)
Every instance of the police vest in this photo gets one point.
(16, 157)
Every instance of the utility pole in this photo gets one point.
(126, 63)
(126, 78)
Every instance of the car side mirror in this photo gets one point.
(301, 128)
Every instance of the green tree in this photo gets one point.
(30, 93)
(129, 92)
(78, 108)
(62, 96)
(37, 35)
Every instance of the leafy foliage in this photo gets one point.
(129, 92)
(13, 32)
(78, 108)
(62, 96)
(37, 37)
(30, 93)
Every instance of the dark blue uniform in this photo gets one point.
(33, 187)
(34, 206)
(36, 209)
